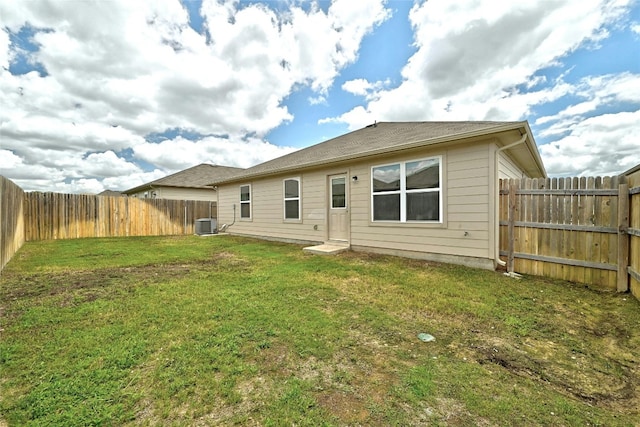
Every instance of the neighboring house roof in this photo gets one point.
(110, 193)
(387, 137)
(199, 176)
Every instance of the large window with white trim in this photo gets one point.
(292, 205)
(407, 191)
(245, 201)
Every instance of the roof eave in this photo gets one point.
(631, 171)
(533, 150)
(138, 189)
(535, 168)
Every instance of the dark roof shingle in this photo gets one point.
(374, 139)
(199, 176)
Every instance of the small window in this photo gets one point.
(407, 191)
(292, 203)
(245, 201)
(338, 193)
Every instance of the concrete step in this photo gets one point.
(327, 248)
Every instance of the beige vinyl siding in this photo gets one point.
(177, 193)
(468, 189)
(507, 167)
(267, 201)
(465, 192)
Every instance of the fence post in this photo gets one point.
(511, 227)
(623, 238)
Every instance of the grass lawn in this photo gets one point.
(232, 331)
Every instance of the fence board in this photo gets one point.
(569, 232)
(602, 217)
(622, 282)
(62, 216)
(633, 181)
(540, 234)
(577, 272)
(555, 269)
(612, 209)
(11, 220)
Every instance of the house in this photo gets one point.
(189, 184)
(110, 193)
(425, 190)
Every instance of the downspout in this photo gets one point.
(496, 180)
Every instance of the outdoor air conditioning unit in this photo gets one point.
(206, 226)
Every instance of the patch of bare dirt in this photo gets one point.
(597, 379)
(346, 384)
(449, 411)
(35, 284)
(349, 408)
(78, 286)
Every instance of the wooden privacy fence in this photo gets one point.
(584, 230)
(70, 216)
(11, 220)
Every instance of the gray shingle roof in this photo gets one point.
(110, 193)
(375, 139)
(199, 176)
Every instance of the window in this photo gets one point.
(292, 203)
(245, 201)
(407, 191)
(338, 193)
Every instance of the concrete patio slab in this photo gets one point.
(327, 248)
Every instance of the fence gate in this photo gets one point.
(578, 229)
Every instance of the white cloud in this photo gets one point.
(472, 59)
(476, 62)
(362, 87)
(357, 86)
(589, 142)
(5, 53)
(180, 153)
(108, 164)
(587, 148)
(82, 186)
(317, 100)
(117, 71)
(8, 160)
(357, 117)
(598, 92)
(70, 171)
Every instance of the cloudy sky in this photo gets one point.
(109, 94)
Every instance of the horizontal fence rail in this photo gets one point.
(576, 229)
(70, 216)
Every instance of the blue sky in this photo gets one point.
(112, 94)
